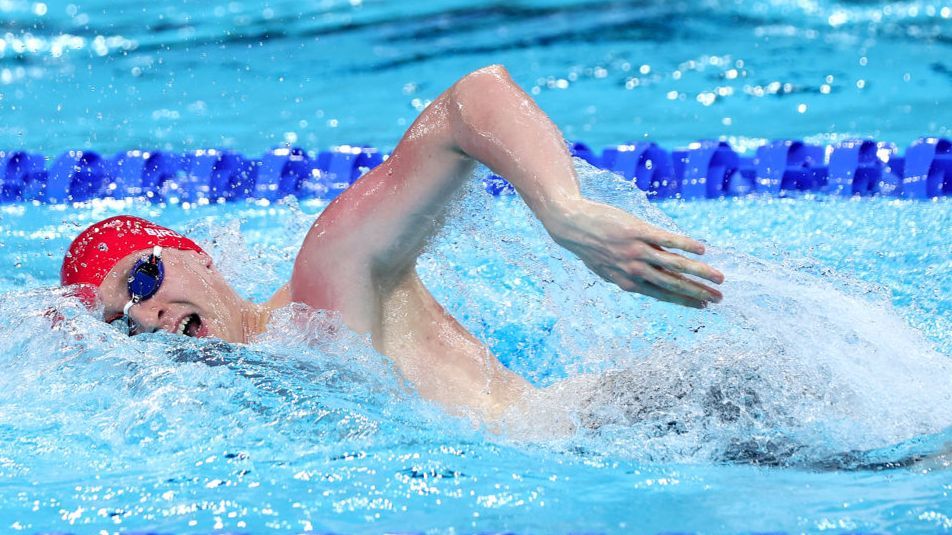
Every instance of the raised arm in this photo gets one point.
(382, 222)
(497, 123)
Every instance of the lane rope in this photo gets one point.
(705, 169)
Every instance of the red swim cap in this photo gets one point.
(98, 248)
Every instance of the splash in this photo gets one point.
(796, 366)
(81, 396)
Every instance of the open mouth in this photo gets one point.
(190, 325)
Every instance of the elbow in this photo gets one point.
(481, 104)
(481, 94)
(481, 82)
(495, 71)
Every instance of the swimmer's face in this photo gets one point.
(193, 299)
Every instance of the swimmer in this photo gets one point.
(359, 257)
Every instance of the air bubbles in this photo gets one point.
(706, 98)
(199, 107)
(165, 114)
(419, 104)
(838, 18)
(558, 83)
(99, 46)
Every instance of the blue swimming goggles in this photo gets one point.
(144, 281)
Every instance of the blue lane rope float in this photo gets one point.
(703, 170)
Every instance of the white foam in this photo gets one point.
(796, 363)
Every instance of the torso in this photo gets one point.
(431, 349)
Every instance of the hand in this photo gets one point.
(630, 253)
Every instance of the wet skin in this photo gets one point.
(359, 258)
(192, 289)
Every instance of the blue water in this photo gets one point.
(817, 397)
(184, 74)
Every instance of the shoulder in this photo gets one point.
(318, 263)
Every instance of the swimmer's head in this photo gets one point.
(101, 246)
(190, 297)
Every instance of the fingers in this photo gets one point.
(640, 273)
(678, 264)
(671, 240)
(680, 284)
(629, 284)
(665, 295)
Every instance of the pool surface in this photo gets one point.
(816, 397)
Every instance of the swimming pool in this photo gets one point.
(795, 406)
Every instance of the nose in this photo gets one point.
(148, 314)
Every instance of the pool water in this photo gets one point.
(816, 397)
(182, 75)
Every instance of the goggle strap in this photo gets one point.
(157, 251)
(125, 309)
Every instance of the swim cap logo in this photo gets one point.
(98, 248)
(161, 232)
